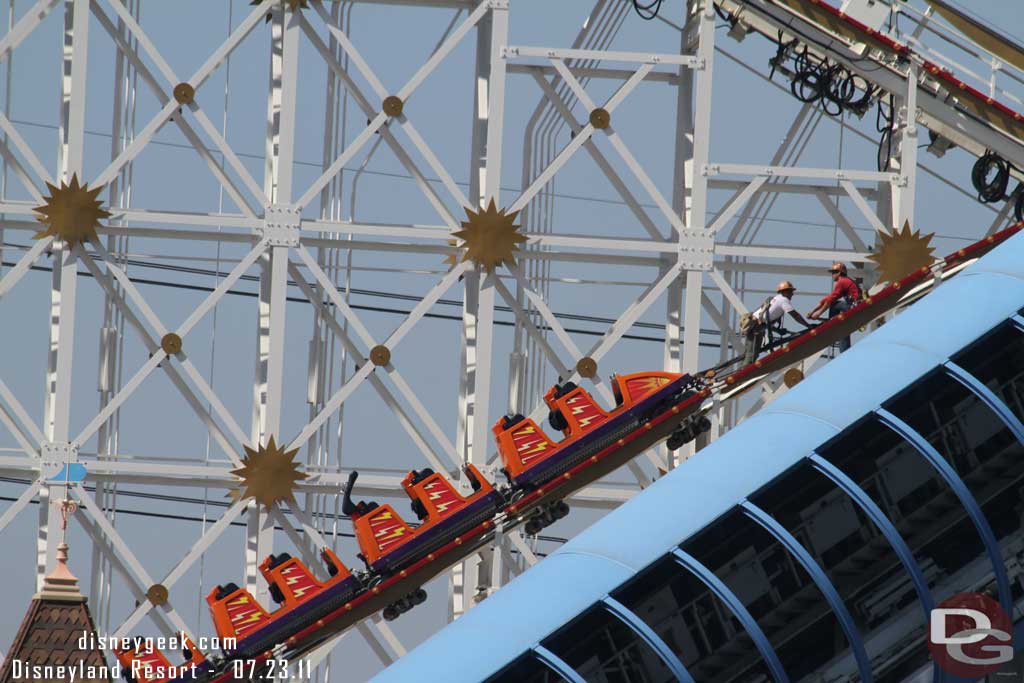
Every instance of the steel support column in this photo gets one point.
(696, 216)
(469, 580)
(63, 290)
(277, 186)
(903, 192)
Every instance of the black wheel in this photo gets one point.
(561, 509)
(391, 613)
(533, 526)
(276, 593)
(226, 590)
(704, 424)
(557, 420)
(419, 596)
(679, 438)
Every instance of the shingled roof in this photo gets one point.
(50, 633)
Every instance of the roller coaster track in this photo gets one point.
(946, 104)
(717, 387)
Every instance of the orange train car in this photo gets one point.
(297, 591)
(388, 543)
(531, 458)
(143, 663)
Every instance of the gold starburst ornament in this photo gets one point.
(490, 237)
(901, 253)
(268, 475)
(71, 213)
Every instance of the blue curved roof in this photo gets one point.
(722, 475)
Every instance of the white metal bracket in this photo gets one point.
(497, 4)
(696, 250)
(281, 224)
(55, 456)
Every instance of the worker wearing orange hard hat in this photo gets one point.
(766, 317)
(844, 296)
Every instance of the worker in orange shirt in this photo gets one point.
(845, 295)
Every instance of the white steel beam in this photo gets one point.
(162, 95)
(391, 342)
(844, 225)
(29, 21)
(198, 78)
(561, 53)
(364, 104)
(716, 169)
(599, 158)
(137, 574)
(137, 587)
(19, 504)
(448, 449)
(152, 343)
(14, 275)
(904, 191)
(865, 208)
(195, 552)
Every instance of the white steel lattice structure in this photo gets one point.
(690, 250)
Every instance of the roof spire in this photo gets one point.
(61, 584)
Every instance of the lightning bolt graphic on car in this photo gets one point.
(246, 618)
(435, 495)
(533, 447)
(292, 580)
(584, 421)
(391, 534)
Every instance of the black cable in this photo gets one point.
(724, 16)
(885, 140)
(781, 50)
(649, 10)
(828, 84)
(206, 272)
(990, 177)
(358, 307)
(885, 150)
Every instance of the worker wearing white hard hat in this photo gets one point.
(769, 314)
